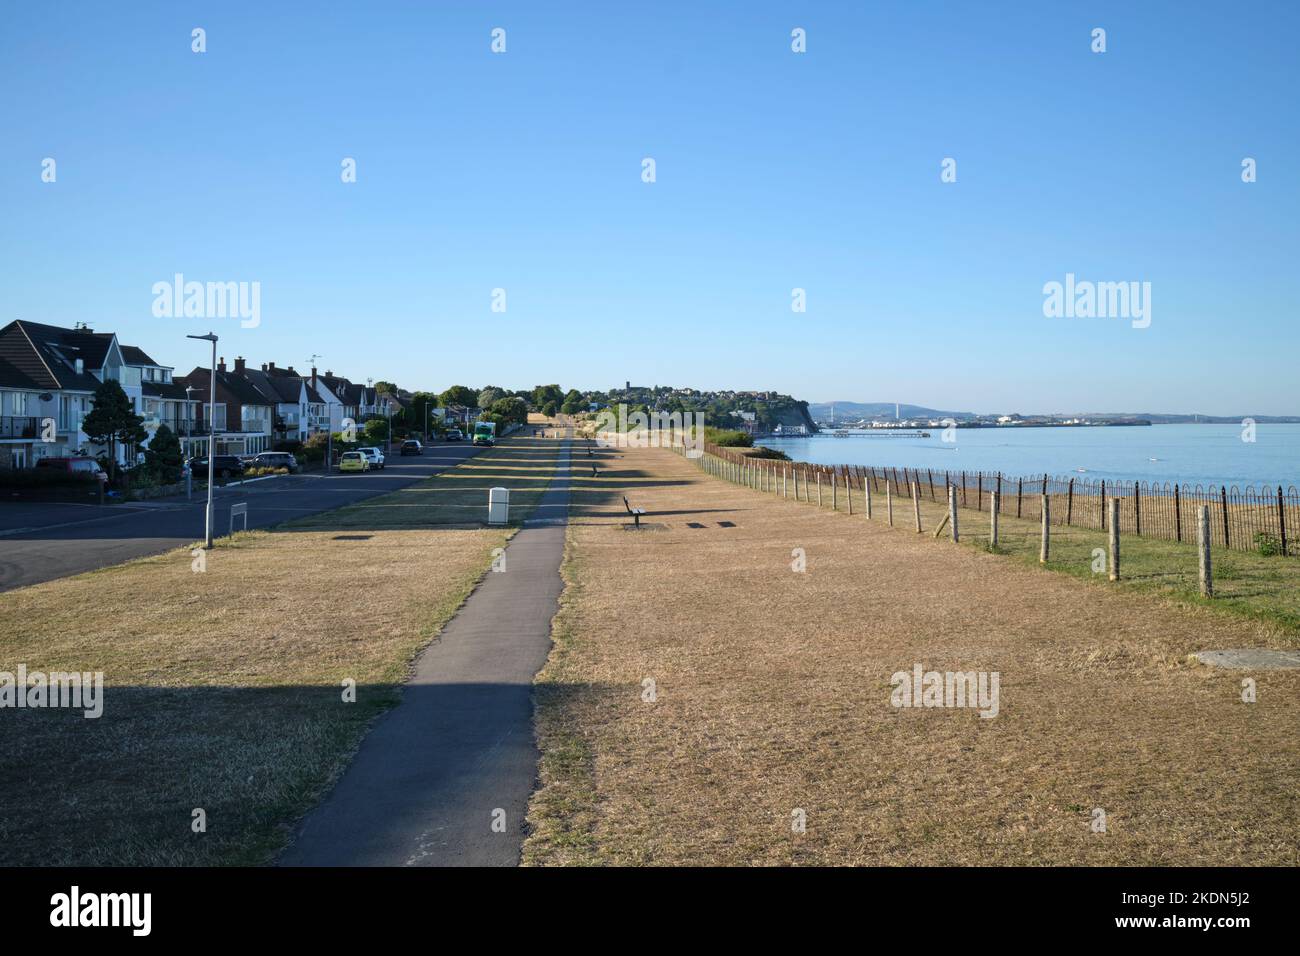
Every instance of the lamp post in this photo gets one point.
(212, 435)
(388, 445)
(189, 440)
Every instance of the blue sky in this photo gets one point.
(774, 170)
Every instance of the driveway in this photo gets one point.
(43, 541)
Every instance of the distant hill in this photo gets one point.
(821, 411)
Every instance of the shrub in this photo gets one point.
(728, 439)
(1267, 544)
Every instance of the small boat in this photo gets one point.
(1081, 470)
(1153, 459)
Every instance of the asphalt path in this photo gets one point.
(43, 541)
(443, 779)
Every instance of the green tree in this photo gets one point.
(458, 395)
(112, 421)
(376, 431)
(386, 387)
(549, 409)
(543, 394)
(163, 456)
(573, 402)
(490, 395)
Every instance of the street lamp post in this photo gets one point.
(388, 445)
(212, 435)
(189, 441)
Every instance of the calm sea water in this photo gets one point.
(1190, 454)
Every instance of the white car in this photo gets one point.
(374, 456)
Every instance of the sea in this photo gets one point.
(1209, 455)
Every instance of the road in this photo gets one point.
(444, 778)
(43, 541)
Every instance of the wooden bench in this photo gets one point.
(636, 513)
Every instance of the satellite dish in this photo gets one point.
(46, 397)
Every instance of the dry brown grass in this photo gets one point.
(773, 694)
(223, 688)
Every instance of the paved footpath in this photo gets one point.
(444, 778)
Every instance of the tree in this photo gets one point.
(376, 431)
(112, 421)
(488, 396)
(458, 395)
(508, 411)
(549, 409)
(543, 394)
(163, 456)
(386, 387)
(573, 402)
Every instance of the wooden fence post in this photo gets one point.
(952, 511)
(1223, 491)
(866, 496)
(835, 492)
(1137, 509)
(1101, 504)
(1281, 519)
(1069, 503)
(916, 504)
(1020, 493)
(785, 477)
(819, 487)
(1044, 547)
(1178, 516)
(848, 489)
(889, 502)
(995, 503)
(1203, 549)
(1114, 539)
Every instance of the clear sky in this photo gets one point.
(775, 170)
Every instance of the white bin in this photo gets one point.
(498, 506)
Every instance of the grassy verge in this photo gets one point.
(1246, 584)
(771, 631)
(224, 689)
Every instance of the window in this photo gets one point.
(19, 403)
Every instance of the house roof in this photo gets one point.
(136, 356)
(34, 355)
(237, 385)
(175, 390)
(283, 388)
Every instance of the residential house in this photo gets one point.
(243, 415)
(47, 379)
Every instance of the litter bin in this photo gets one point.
(498, 505)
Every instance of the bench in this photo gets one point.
(636, 513)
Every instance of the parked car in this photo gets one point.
(354, 461)
(412, 447)
(374, 456)
(74, 465)
(455, 434)
(224, 466)
(277, 459)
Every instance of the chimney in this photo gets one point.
(292, 370)
(269, 366)
(264, 368)
(239, 365)
(221, 365)
(313, 376)
(329, 374)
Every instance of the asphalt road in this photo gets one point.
(43, 541)
(444, 778)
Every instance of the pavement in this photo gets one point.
(41, 541)
(444, 778)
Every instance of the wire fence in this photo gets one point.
(1263, 520)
